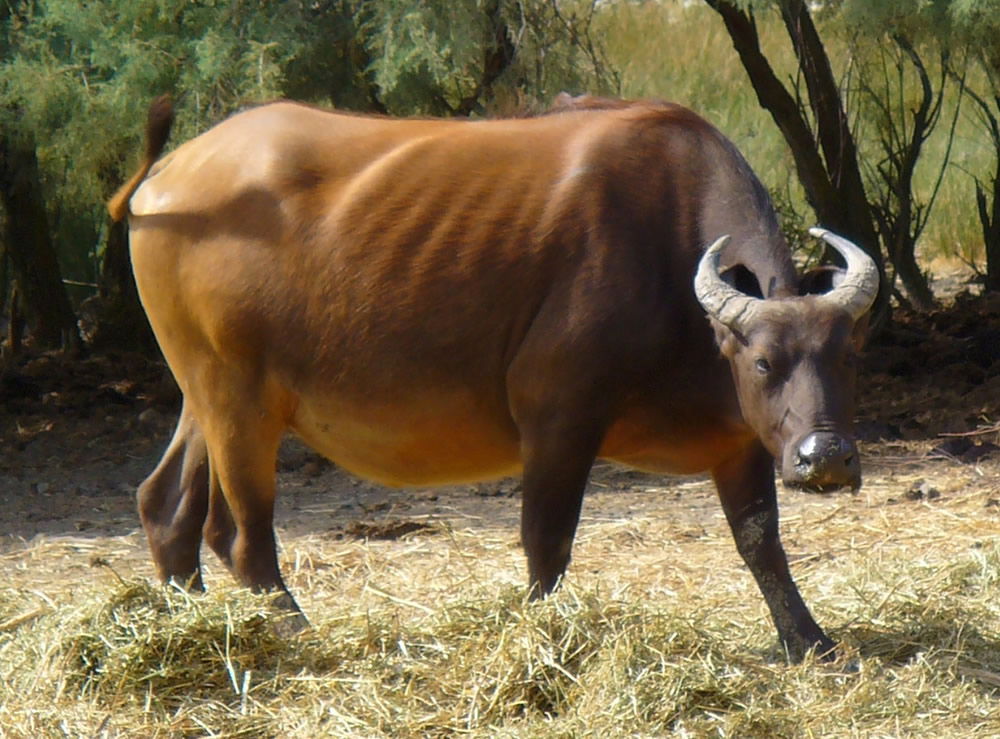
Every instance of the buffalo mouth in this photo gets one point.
(822, 487)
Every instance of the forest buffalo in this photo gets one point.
(437, 301)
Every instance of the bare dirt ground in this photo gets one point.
(77, 436)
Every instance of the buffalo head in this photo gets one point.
(793, 362)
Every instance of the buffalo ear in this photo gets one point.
(730, 342)
(729, 339)
(562, 101)
(820, 280)
(859, 336)
(743, 280)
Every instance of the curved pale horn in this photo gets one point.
(721, 300)
(857, 291)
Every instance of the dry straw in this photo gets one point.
(659, 631)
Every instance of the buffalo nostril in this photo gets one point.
(824, 451)
(823, 461)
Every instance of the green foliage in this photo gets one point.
(961, 34)
(693, 62)
(427, 54)
(430, 56)
(978, 22)
(916, 18)
(78, 77)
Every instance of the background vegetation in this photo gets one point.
(911, 85)
(659, 629)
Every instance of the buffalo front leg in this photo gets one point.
(173, 502)
(559, 402)
(747, 492)
(557, 461)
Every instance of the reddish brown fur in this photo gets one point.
(433, 301)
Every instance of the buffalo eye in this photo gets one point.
(762, 365)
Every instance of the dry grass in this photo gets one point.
(658, 631)
(681, 52)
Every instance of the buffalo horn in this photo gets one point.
(721, 300)
(856, 292)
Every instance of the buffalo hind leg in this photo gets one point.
(173, 502)
(220, 529)
(557, 460)
(243, 444)
(747, 492)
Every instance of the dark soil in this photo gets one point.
(936, 376)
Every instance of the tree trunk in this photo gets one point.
(834, 188)
(989, 219)
(989, 210)
(15, 326)
(784, 109)
(914, 281)
(29, 246)
(835, 138)
(497, 57)
(120, 320)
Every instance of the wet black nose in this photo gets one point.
(825, 460)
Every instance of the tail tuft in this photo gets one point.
(159, 120)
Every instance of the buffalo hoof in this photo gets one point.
(289, 620)
(190, 584)
(822, 651)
